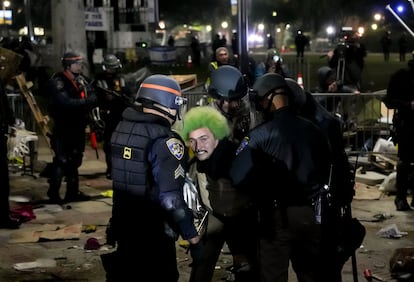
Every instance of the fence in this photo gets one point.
(365, 118)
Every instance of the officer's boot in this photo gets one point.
(54, 185)
(72, 191)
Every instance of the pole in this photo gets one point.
(388, 7)
(28, 13)
(242, 38)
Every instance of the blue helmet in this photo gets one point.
(161, 89)
(227, 82)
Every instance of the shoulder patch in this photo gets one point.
(242, 145)
(176, 147)
(59, 83)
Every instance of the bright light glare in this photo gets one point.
(330, 30)
(400, 9)
(377, 17)
(374, 26)
(255, 38)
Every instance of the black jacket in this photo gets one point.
(286, 159)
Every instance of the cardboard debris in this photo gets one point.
(35, 264)
(369, 177)
(366, 192)
(46, 232)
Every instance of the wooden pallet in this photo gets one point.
(186, 81)
(41, 120)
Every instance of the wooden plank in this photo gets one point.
(41, 120)
(186, 81)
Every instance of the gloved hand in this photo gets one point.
(196, 251)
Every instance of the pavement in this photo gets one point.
(51, 245)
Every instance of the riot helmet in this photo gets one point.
(70, 58)
(299, 94)
(111, 63)
(268, 82)
(227, 83)
(161, 90)
(265, 86)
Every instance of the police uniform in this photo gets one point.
(149, 163)
(70, 100)
(111, 106)
(400, 97)
(287, 161)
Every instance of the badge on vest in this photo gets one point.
(127, 153)
(176, 148)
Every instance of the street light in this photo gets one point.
(6, 4)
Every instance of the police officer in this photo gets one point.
(149, 166)
(400, 97)
(231, 216)
(113, 97)
(70, 101)
(341, 184)
(287, 161)
(229, 94)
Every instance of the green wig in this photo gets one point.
(205, 117)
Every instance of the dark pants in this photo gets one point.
(405, 167)
(290, 235)
(4, 178)
(145, 252)
(66, 162)
(239, 232)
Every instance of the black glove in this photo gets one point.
(196, 251)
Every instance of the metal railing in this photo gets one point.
(365, 118)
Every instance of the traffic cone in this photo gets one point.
(189, 61)
(300, 80)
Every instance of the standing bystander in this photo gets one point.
(386, 43)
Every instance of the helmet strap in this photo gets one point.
(151, 105)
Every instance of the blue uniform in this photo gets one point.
(148, 169)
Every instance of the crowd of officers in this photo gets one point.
(268, 162)
(267, 159)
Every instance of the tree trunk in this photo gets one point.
(68, 29)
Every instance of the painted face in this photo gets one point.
(203, 143)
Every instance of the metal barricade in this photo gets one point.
(365, 118)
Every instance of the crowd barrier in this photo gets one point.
(365, 117)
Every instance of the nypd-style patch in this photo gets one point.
(176, 148)
(242, 145)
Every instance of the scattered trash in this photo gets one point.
(391, 231)
(35, 264)
(92, 244)
(108, 193)
(19, 199)
(89, 228)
